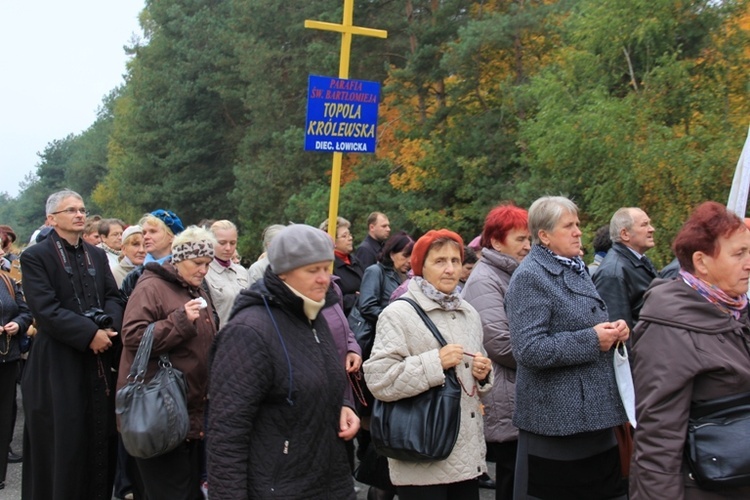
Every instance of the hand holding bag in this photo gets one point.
(624, 379)
(422, 428)
(153, 416)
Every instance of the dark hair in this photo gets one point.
(602, 241)
(399, 242)
(470, 256)
(5, 239)
(500, 221)
(708, 222)
(105, 226)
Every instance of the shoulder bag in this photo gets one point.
(716, 448)
(153, 415)
(422, 428)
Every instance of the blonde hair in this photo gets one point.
(152, 220)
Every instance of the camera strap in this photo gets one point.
(63, 256)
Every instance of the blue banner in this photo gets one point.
(342, 115)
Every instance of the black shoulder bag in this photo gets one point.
(153, 415)
(422, 428)
(716, 448)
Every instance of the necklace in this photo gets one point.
(473, 389)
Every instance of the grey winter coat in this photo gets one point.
(565, 384)
(405, 362)
(485, 290)
(684, 350)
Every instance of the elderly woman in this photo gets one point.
(345, 265)
(171, 297)
(225, 278)
(133, 253)
(690, 346)
(407, 360)
(505, 242)
(567, 401)
(278, 418)
(159, 230)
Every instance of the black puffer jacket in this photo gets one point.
(267, 437)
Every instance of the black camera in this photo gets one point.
(99, 317)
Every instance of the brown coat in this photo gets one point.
(685, 350)
(159, 298)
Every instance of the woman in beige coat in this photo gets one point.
(407, 360)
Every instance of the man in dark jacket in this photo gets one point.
(626, 272)
(68, 385)
(378, 231)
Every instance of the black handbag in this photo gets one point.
(717, 449)
(422, 428)
(153, 415)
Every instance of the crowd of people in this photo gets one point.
(284, 359)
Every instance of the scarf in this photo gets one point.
(161, 261)
(449, 302)
(223, 263)
(109, 249)
(576, 264)
(714, 295)
(310, 307)
(343, 256)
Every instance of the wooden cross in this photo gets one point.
(347, 29)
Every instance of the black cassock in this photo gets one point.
(68, 391)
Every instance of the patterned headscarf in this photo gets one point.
(192, 250)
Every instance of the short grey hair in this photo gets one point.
(270, 233)
(622, 219)
(54, 200)
(545, 213)
(194, 234)
(340, 222)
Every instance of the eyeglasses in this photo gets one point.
(72, 211)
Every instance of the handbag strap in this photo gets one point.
(140, 363)
(8, 284)
(427, 321)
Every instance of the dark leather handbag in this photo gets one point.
(422, 428)
(153, 415)
(717, 449)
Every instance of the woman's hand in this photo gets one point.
(11, 328)
(611, 333)
(353, 362)
(451, 355)
(193, 309)
(481, 367)
(623, 328)
(348, 424)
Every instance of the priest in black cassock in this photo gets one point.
(68, 384)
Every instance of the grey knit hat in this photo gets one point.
(299, 245)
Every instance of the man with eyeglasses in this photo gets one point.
(68, 385)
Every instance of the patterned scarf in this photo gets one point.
(716, 296)
(110, 249)
(449, 302)
(576, 264)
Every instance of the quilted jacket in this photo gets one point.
(485, 290)
(276, 398)
(405, 362)
(565, 384)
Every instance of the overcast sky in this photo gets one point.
(58, 59)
